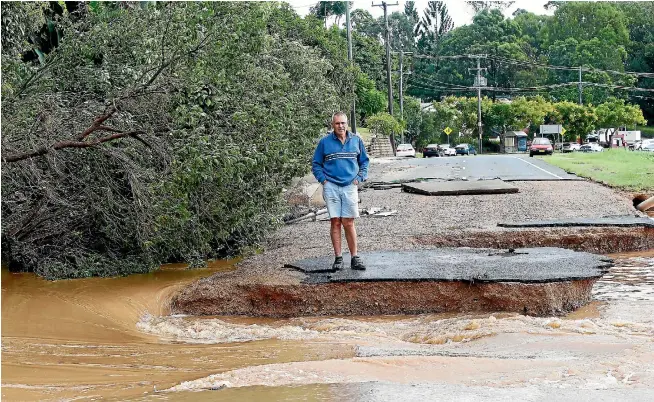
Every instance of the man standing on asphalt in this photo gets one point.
(340, 163)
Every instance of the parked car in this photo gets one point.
(570, 147)
(638, 145)
(591, 147)
(648, 147)
(447, 150)
(405, 150)
(431, 150)
(541, 146)
(465, 149)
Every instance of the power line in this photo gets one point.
(640, 96)
(442, 89)
(519, 89)
(540, 65)
(595, 84)
(524, 89)
(459, 56)
(569, 68)
(431, 80)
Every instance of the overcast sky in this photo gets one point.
(461, 13)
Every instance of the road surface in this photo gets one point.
(506, 167)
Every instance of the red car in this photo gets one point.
(541, 146)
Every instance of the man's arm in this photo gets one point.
(317, 166)
(363, 162)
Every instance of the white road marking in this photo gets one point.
(539, 168)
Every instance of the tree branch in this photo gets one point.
(97, 123)
(69, 144)
(36, 74)
(163, 66)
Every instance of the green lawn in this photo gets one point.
(364, 133)
(627, 170)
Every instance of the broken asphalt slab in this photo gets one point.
(613, 221)
(533, 281)
(527, 265)
(460, 187)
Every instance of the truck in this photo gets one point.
(630, 136)
(604, 135)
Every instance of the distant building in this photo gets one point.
(427, 107)
(513, 141)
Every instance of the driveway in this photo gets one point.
(506, 167)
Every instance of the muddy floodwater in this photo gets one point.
(114, 339)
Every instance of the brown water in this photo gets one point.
(112, 338)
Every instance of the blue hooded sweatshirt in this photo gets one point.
(340, 163)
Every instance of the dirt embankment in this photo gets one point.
(261, 286)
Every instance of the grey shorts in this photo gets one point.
(342, 202)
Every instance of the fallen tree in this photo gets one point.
(159, 133)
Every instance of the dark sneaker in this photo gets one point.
(357, 264)
(338, 264)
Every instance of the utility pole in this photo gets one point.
(581, 102)
(479, 83)
(353, 117)
(388, 61)
(401, 95)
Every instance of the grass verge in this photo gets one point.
(364, 133)
(627, 170)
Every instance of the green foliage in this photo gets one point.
(603, 35)
(412, 118)
(460, 114)
(578, 120)
(325, 9)
(369, 100)
(432, 27)
(616, 113)
(384, 124)
(228, 100)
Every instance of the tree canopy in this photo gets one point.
(159, 133)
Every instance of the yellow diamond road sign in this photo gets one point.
(562, 130)
(447, 130)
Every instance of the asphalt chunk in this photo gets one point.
(460, 187)
(526, 265)
(618, 221)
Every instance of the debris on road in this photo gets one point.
(606, 221)
(460, 187)
(310, 216)
(379, 212)
(646, 205)
(321, 214)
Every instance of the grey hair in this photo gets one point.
(338, 114)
